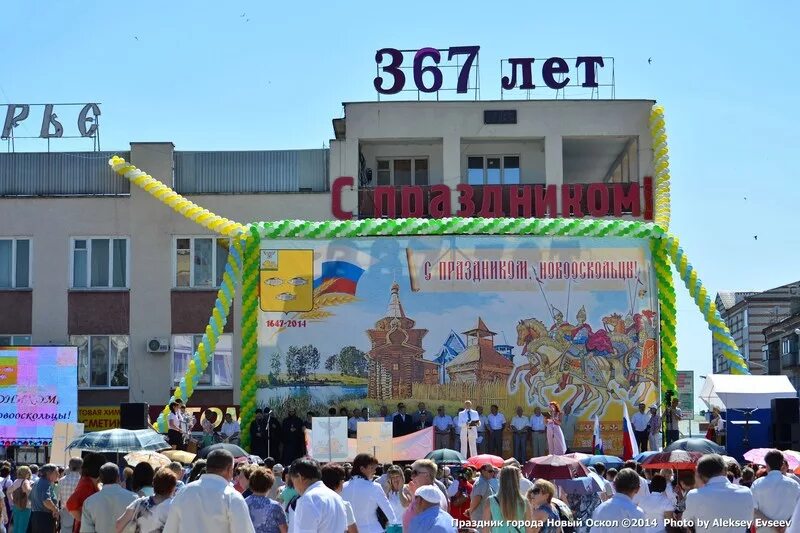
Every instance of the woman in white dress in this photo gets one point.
(555, 437)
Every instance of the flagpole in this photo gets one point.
(541, 288)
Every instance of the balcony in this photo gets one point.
(790, 359)
(603, 200)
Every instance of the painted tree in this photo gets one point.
(353, 362)
(275, 364)
(300, 359)
(331, 362)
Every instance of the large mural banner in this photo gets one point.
(512, 321)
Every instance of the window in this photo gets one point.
(15, 340)
(788, 346)
(218, 373)
(15, 263)
(199, 262)
(493, 170)
(99, 262)
(102, 361)
(400, 172)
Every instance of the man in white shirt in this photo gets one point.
(654, 429)
(352, 424)
(101, 510)
(497, 423)
(66, 486)
(443, 425)
(568, 420)
(717, 499)
(519, 427)
(620, 512)
(644, 488)
(211, 503)
(607, 487)
(640, 422)
(525, 484)
(775, 496)
(230, 429)
(319, 509)
(469, 421)
(538, 433)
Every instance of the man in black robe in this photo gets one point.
(294, 440)
(258, 435)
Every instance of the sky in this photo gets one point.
(271, 75)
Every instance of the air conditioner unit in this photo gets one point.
(158, 345)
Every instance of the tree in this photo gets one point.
(300, 359)
(314, 362)
(353, 362)
(275, 364)
(331, 362)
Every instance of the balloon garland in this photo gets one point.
(243, 262)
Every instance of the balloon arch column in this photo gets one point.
(242, 268)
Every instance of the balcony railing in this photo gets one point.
(791, 359)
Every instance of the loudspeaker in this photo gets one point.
(786, 423)
(133, 415)
(785, 410)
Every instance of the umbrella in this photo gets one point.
(234, 449)
(554, 467)
(120, 441)
(577, 455)
(696, 445)
(180, 456)
(478, 461)
(580, 485)
(446, 456)
(756, 456)
(642, 456)
(154, 459)
(677, 459)
(609, 461)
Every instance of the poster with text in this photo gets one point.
(38, 387)
(375, 438)
(516, 321)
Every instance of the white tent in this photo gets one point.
(728, 391)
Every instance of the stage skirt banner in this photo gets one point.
(406, 448)
(509, 320)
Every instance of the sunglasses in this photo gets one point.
(534, 492)
(419, 472)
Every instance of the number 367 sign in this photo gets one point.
(428, 64)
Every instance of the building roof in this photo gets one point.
(481, 354)
(731, 298)
(480, 330)
(784, 325)
(395, 307)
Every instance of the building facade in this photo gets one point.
(747, 314)
(781, 348)
(86, 259)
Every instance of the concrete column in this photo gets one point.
(451, 165)
(553, 160)
(49, 248)
(150, 277)
(348, 166)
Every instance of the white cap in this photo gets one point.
(429, 493)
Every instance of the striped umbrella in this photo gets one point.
(120, 441)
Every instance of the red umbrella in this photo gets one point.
(478, 461)
(554, 467)
(677, 459)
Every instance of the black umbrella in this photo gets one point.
(696, 445)
(446, 456)
(234, 449)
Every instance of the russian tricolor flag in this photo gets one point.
(342, 267)
(597, 440)
(630, 448)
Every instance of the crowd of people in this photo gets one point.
(217, 494)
